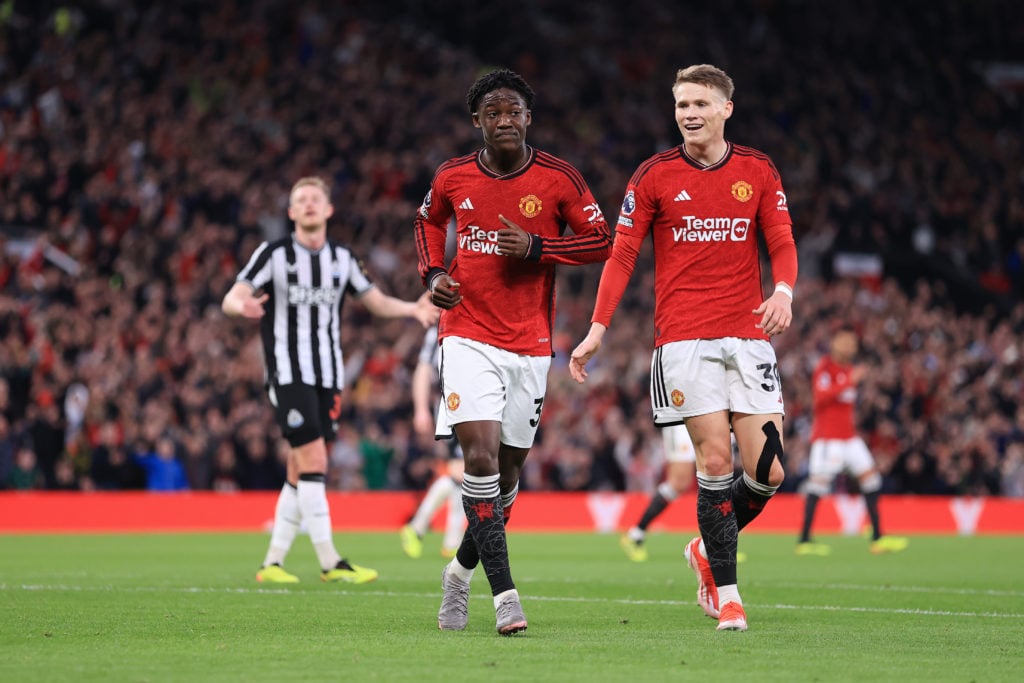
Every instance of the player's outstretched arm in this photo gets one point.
(384, 306)
(422, 381)
(584, 351)
(242, 301)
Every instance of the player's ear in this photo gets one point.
(330, 210)
(291, 211)
(476, 120)
(728, 108)
(529, 117)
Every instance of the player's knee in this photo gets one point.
(817, 486)
(456, 468)
(310, 457)
(717, 463)
(871, 482)
(667, 491)
(508, 480)
(679, 480)
(480, 461)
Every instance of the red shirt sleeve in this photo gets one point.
(615, 277)
(777, 226)
(431, 229)
(590, 242)
(782, 253)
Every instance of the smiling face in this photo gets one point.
(503, 118)
(701, 112)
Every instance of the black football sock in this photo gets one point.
(654, 508)
(749, 498)
(717, 522)
(467, 554)
(486, 524)
(871, 502)
(809, 507)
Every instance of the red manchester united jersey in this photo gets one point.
(704, 222)
(508, 302)
(834, 399)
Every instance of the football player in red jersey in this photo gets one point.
(511, 204)
(680, 466)
(835, 445)
(704, 203)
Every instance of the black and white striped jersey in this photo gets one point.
(301, 328)
(430, 351)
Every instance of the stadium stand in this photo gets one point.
(145, 147)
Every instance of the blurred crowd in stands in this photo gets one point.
(147, 147)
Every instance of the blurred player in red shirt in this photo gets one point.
(704, 203)
(511, 204)
(835, 445)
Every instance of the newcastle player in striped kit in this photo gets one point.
(704, 203)
(511, 204)
(295, 287)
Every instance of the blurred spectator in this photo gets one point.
(225, 478)
(64, 475)
(1013, 471)
(25, 474)
(377, 454)
(261, 468)
(8, 449)
(113, 470)
(46, 430)
(346, 460)
(164, 472)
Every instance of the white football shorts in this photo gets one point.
(483, 382)
(701, 376)
(443, 431)
(829, 457)
(678, 444)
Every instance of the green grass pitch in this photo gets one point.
(187, 608)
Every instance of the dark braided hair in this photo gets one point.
(501, 78)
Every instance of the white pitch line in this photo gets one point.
(531, 598)
(881, 588)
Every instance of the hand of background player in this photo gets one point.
(857, 374)
(426, 312)
(584, 351)
(445, 293)
(252, 306)
(512, 240)
(423, 422)
(776, 314)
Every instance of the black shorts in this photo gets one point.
(305, 413)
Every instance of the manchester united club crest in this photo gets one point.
(530, 205)
(678, 398)
(453, 401)
(742, 191)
